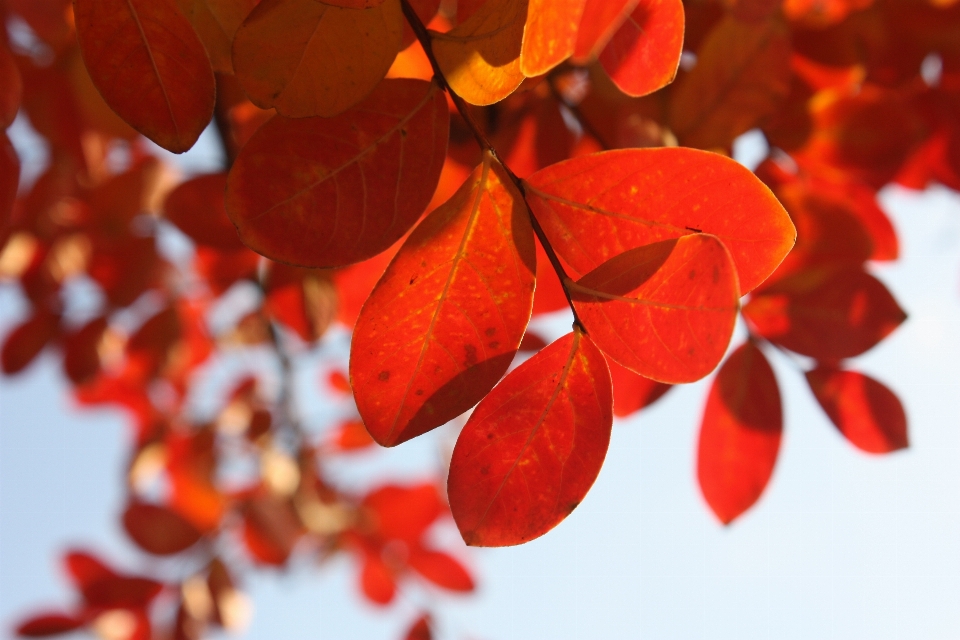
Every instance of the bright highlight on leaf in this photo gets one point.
(533, 447)
(644, 53)
(480, 57)
(307, 58)
(149, 66)
(325, 192)
(446, 319)
(550, 34)
(665, 311)
(740, 433)
(865, 411)
(595, 207)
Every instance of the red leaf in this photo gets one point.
(377, 580)
(351, 435)
(445, 321)
(11, 86)
(666, 310)
(533, 447)
(440, 569)
(24, 343)
(827, 313)
(81, 360)
(601, 19)
(740, 433)
(404, 513)
(866, 412)
(644, 53)
(632, 392)
(9, 182)
(420, 630)
(324, 192)
(271, 529)
(102, 587)
(595, 207)
(150, 67)
(197, 208)
(159, 530)
(49, 624)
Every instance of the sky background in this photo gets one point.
(842, 545)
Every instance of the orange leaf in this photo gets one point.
(24, 343)
(159, 530)
(319, 192)
(827, 313)
(665, 310)
(866, 412)
(445, 321)
(742, 74)
(644, 53)
(404, 512)
(150, 67)
(351, 435)
(197, 208)
(533, 447)
(306, 58)
(601, 19)
(740, 433)
(377, 580)
(632, 392)
(595, 207)
(480, 57)
(550, 34)
(11, 86)
(441, 569)
(208, 28)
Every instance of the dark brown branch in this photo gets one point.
(463, 108)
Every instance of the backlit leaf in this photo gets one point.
(158, 530)
(533, 447)
(595, 207)
(480, 57)
(826, 313)
(197, 208)
(307, 58)
(441, 569)
(601, 19)
(26, 341)
(665, 310)
(632, 392)
(11, 87)
(81, 359)
(324, 192)
(49, 624)
(376, 580)
(740, 433)
(446, 319)
(644, 53)
(742, 74)
(550, 34)
(150, 67)
(866, 412)
(420, 629)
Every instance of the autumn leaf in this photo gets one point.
(742, 74)
(643, 55)
(632, 392)
(866, 412)
(22, 345)
(595, 207)
(549, 35)
(740, 433)
(601, 19)
(150, 67)
(666, 310)
(446, 319)
(11, 87)
(158, 530)
(827, 313)
(480, 57)
(197, 208)
(49, 624)
(324, 192)
(533, 447)
(306, 58)
(9, 182)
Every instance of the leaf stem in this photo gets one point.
(464, 109)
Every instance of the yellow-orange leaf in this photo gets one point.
(595, 207)
(446, 319)
(305, 58)
(533, 447)
(149, 66)
(665, 310)
(550, 34)
(481, 57)
(325, 192)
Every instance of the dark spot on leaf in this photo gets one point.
(494, 344)
(490, 436)
(471, 355)
(694, 229)
(403, 132)
(716, 275)
(491, 331)
(413, 279)
(384, 376)
(692, 274)
(419, 392)
(484, 470)
(572, 507)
